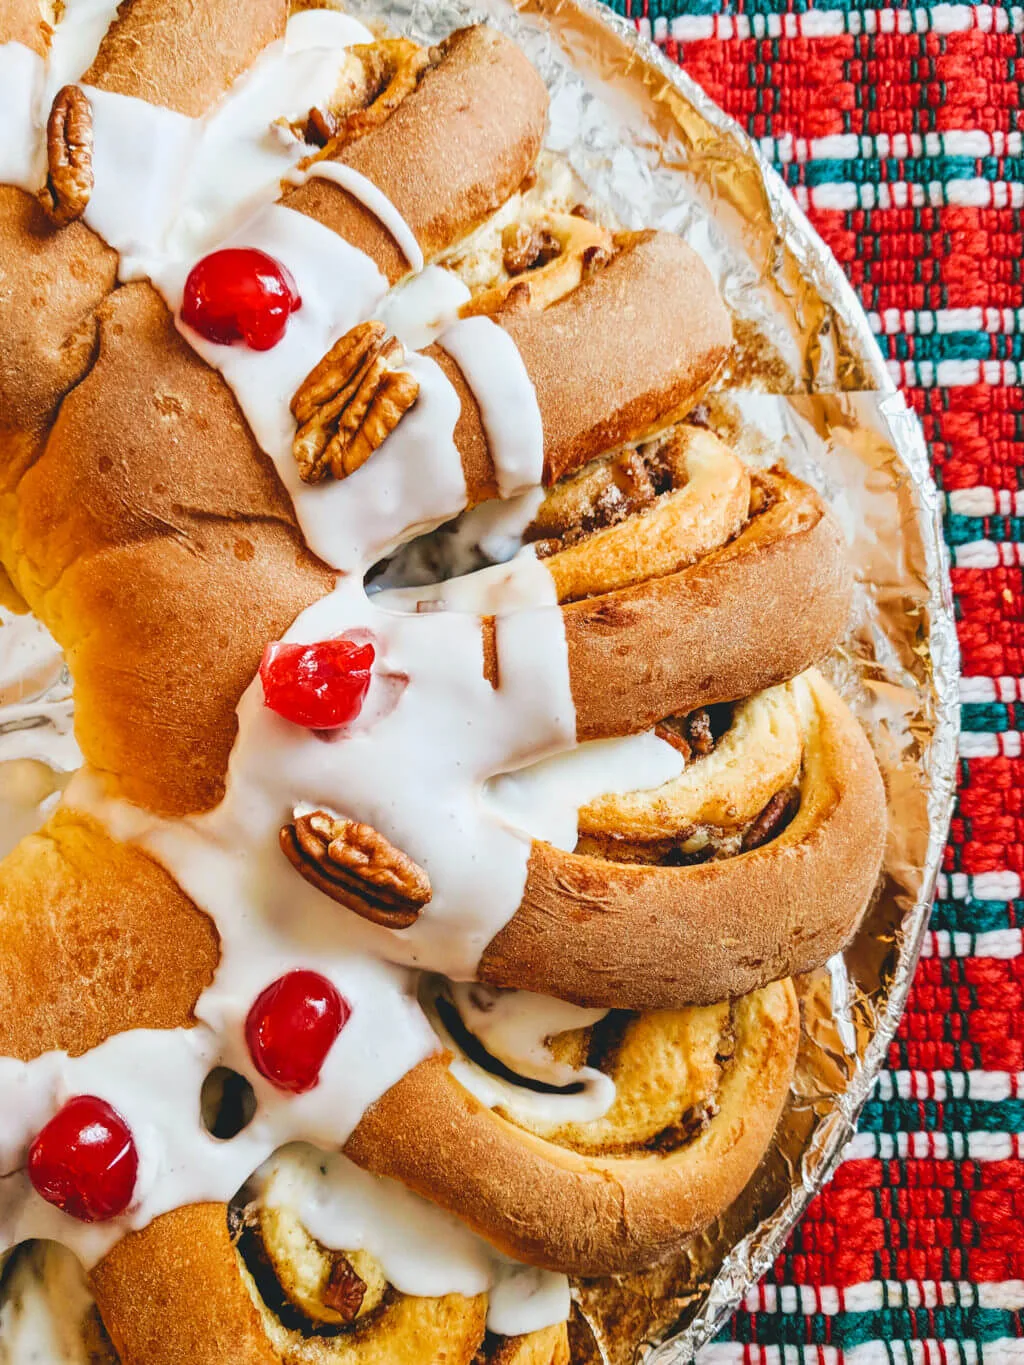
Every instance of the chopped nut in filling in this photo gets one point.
(738, 790)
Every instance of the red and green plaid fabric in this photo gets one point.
(899, 131)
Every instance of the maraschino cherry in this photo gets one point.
(240, 294)
(84, 1161)
(292, 1027)
(320, 686)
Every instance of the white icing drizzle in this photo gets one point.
(490, 361)
(140, 158)
(420, 308)
(544, 799)
(516, 1028)
(168, 188)
(153, 1079)
(422, 1250)
(324, 28)
(359, 187)
(426, 797)
(21, 84)
(46, 1301)
(75, 42)
(338, 286)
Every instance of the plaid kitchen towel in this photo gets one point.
(899, 131)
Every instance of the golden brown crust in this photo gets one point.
(599, 385)
(600, 382)
(600, 933)
(173, 1293)
(89, 929)
(153, 529)
(428, 156)
(586, 1215)
(28, 22)
(51, 282)
(754, 613)
(182, 55)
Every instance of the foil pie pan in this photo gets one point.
(808, 385)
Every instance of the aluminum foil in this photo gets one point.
(808, 385)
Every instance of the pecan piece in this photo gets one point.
(388, 71)
(69, 177)
(671, 731)
(699, 732)
(357, 867)
(343, 1290)
(350, 402)
(772, 820)
(528, 248)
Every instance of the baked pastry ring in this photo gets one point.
(142, 521)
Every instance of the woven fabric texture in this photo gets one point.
(899, 131)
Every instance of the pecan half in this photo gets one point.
(69, 177)
(772, 820)
(357, 867)
(343, 1291)
(351, 402)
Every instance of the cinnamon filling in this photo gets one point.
(696, 736)
(380, 76)
(308, 1288)
(475, 1052)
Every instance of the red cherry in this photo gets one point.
(84, 1161)
(292, 1027)
(240, 294)
(320, 686)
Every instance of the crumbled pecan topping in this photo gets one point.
(357, 867)
(351, 402)
(772, 820)
(69, 177)
(344, 1291)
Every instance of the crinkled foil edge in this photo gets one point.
(755, 1254)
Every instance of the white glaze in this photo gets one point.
(356, 184)
(75, 42)
(140, 157)
(418, 310)
(490, 361)
(168, 188)
(338, 286)
(516, 1028)
(545, 798)
(46, 1301)
(425, 797)
(422, 1250)
(153, 1079)
(324, 28)
(21, 85)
